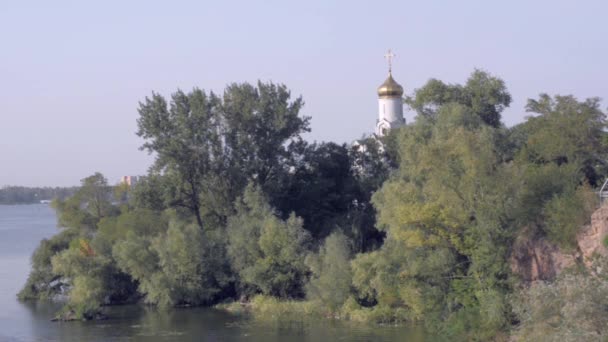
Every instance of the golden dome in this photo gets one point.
(390, 88)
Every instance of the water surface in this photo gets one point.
(23, 226)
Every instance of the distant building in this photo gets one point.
(129, 180)
(390, 101)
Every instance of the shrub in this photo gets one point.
(573, 308)
(331, 273)
(566, 213)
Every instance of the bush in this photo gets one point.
(181, 266)
(43, 283)
(266, 251)
(566, 213)
(331, 273)
(573, 308)
(272, 308)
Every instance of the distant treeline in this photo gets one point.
(26, 195)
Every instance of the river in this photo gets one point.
(21, 229)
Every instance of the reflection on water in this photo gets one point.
(135, 323)
(22, 227)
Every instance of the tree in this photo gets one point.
(90, 204)
(209, 147)
(178, 265)
(572, 308)
(568, 131)
(89, 274)
(331, 279)
(320, 189)
(186, 139)
(42, 282)
(446, 213)
(485, 95)
(265, 251)
(566, 213)
(78, 217)
(260, 124)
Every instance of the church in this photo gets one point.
(390, 102)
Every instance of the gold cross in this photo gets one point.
(389, 57)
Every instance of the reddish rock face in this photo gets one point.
(537, 259)
(591, 237)
(534, 259)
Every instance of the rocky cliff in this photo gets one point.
(591, 237)
(535, 258)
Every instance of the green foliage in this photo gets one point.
(149, 193)
(567, 131)
(566, 213)
(320, 189)
(142, 222)
(573, 308)
(331, 279)
(484, 94)
(396, 277)
(42, 283)
(447, 213)
(89, 274)
(88, 206)
(464, 188)
(274, 309)
(539, 184)
(208, 147)
(55, 266)
(180, 265)
(330, 187)
(266, 251)
(236, 200)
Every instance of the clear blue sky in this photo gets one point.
(72, 72)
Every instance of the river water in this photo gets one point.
(23, 226)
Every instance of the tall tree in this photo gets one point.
(265, 251)
(208, 147)
(260, 122)
(568, 131)
(484, 94)
(90, 204)
(185, 136)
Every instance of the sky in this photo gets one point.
(73, 72)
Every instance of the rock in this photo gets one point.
(536, 259)
(591, 237)
(70, 315)
(65, 316)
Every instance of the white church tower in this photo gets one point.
(390, 93)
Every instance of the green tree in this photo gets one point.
(185, 135)
(208, 147)
(331, 279)
(566, 213)
(42, 282)
(485, 95)
(330, 187)
(446, 212)
(89, 274)
(180, 265)
(261, 122)
(572, 308)
(320, 189)
(78, 217)
(568, 131)
(88, 205)
(149, 193)
(265, 251)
